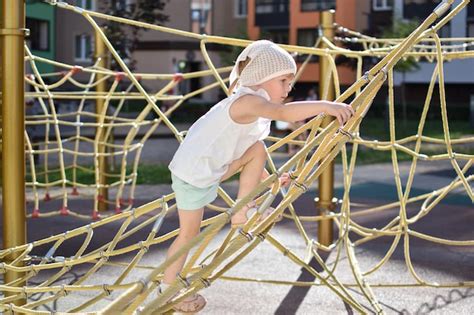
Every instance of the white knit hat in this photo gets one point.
(268, 61)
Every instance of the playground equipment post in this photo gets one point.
(12, 34)
(326, 180)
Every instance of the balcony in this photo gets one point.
(318, 5)
(272, 13)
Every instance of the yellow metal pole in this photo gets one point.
(1, 73)
(101, 52)
(326, 180)
(12, 34)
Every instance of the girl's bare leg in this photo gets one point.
(252, 164)
(189, 227)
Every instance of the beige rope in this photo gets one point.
(208, 265)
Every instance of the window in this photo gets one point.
(83, 49)
(85, 4)
(39, 34)
(240, 8)
(382, 5)
(470, 29)
(317, 5)
(279, 36)
(201, 16)
(307, 37)
(271, 6)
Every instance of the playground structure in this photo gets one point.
(317, 152)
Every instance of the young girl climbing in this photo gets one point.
(230, 137)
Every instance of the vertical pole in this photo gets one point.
(101, 52)
(12, 34)
(1, 98)
(326, 180)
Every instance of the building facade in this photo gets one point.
(75, 37)
(296, 22)
(283, 21)
(168, 53)
(459, 81)
(160, 52)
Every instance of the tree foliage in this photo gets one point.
(125, 38)
(401, 29)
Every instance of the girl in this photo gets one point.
(229, 138)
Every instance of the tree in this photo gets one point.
(401, 29)
(124, 37)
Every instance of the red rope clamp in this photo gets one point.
(178, 77)
(64, 211)
(119, 76)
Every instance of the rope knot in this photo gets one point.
(301, 186)
(106, 289)
(247, 235)
(206, 283)
(345, 133)
(184, 281)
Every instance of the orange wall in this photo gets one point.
(252, 30)
(346, 15)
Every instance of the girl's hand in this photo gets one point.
(285, 179)
(341, 111)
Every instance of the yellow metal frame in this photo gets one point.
(13, 127)
(326, 180)
(327, 144)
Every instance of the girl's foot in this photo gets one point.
(241, 217)
(191, 304)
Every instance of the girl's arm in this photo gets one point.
(249, 107)
(296, 111)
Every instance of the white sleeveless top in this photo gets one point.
(215, 140)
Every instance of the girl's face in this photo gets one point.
(279, 87)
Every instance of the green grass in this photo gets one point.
(379, 128)
(159, 174)
(147, 175)
(369, 156)
(370, 129)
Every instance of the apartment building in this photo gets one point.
(168, 53)
(160, 52)
(75, 37)
(296, 22)
(459, 81)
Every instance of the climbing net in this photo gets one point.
(76, 139)
(44, 282)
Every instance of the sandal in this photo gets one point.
(191, 304)
(250, 212)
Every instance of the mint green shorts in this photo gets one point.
(189, 197)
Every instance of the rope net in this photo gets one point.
(76, 138)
